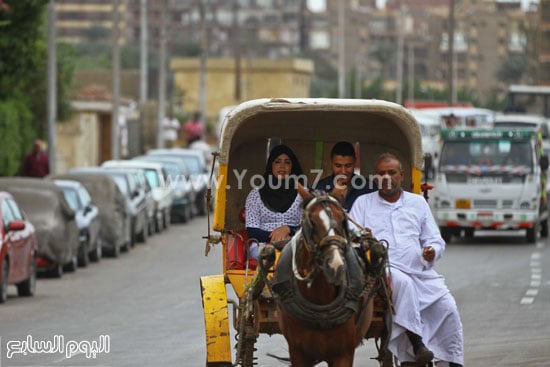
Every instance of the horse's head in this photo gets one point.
(325, 233)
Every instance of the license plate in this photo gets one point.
(485, 214)
(463, 204)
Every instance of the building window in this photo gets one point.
(319, 6)
(319, 40)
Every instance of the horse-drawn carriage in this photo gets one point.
(310, 127)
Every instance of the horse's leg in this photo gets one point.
(345, 360)
(298, 359)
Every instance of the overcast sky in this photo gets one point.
(319, 5)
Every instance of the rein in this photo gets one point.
(316, 249)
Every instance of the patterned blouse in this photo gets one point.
(258, 216)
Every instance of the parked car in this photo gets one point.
(135, 201)
(156, 176)
(179, 177)
(53, 220)
(18, 247)
(114, 214)
(87, 220)
(143, 185)
(199, 172)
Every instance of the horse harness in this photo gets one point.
(285, 282)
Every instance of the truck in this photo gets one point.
(491, 179)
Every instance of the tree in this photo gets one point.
(512, 68)
(23, 78)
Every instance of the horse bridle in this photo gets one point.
(327, 240)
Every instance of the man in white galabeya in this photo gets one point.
(426, 325)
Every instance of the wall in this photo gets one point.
(260, 78)
(77, 142)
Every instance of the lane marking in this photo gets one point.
(536, 276)
(527, 300)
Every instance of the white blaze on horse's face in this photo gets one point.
(336, 260)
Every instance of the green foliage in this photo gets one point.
(23, 58)
(187, 49)
(66, 64)
(22, 48)
(15, 138)
(512, 69)
(23, 79)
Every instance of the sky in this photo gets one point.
(319, 5)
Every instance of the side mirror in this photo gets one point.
(544, 162)
(428, 163)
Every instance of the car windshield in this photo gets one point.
(193, 164)
(121, 183)
(173, 170)
(152, 177)
(72, 198)
(488, 157)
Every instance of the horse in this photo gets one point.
(323, 310)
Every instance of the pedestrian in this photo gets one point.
(170, 131)
(36, 163)
(194, 129)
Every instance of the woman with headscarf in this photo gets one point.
(273, 211)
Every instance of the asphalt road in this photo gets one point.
(144, 308)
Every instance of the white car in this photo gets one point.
(157, 179)
(196, 163)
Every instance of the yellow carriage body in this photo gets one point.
(310, 127)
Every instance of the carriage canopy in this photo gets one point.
(310, 127)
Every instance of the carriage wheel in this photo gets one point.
(248, 347)
(247, 331)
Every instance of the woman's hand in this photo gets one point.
(280, 234)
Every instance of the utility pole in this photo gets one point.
(52, 87)
(203, 60)
(115, 139)
(303, 27)
(451, 39)
(237, 51)
(410, 58)
(341, 49)
(143, 53)
(162, 76)
(399, 65)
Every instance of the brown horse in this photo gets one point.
(322, 307)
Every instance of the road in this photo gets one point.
(144, 308)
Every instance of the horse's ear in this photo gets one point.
(304, 192)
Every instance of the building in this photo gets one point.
(543, 43)
(261, 78)
(486, 34)
(77, 20)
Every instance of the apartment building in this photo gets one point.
(77, 19)
(543, 44)
(486, 33)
